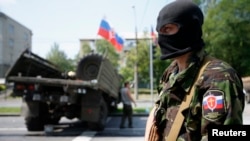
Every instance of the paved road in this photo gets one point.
(143, 103)
(13, 128)
(16, 102)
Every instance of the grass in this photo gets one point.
(8, 110)
(17, 110)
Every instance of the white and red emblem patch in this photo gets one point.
(213, 104)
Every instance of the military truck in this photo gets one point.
(50, 94)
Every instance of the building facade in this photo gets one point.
(14, 39)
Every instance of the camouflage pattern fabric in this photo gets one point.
(218, 97)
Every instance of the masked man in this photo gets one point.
(216, 94)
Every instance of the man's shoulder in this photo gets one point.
(218, 66)
(219, 70)
(124, 89)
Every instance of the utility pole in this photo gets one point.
(151, 70)
(136, 61)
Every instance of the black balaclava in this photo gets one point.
(189, 17)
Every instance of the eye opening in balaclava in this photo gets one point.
(170, 29)
(190, 18)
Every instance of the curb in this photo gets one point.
(9, 115)
(112, 114)
(136, 115)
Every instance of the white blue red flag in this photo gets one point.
(110, 35)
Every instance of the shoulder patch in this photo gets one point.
(213, 105)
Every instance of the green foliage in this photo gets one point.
(141, 53)
(143, 63)
(127, 73)
(59, 58)
(2, 87)
(159, 66)
(105, 48)
(197, 1)
(85, 49)
(226, 33)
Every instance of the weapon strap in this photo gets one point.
(178, 121)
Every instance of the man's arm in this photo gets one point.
(130, 97)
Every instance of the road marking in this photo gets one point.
(85, 136)
(88, 135)
(124, 129)
(12, 129)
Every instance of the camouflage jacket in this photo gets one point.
(218, 97)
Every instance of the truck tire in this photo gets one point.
(100, 125)
(88, 67)
(51, 120)
(36, 123)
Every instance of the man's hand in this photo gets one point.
(135, 104)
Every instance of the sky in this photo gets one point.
(65, 22)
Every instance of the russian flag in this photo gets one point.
(119, 42)
(153, 36)
(110, 35)
(213, 102)
(116, 41)
(104, 29)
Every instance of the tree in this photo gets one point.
(59, 58)
(205, 5)
(226, 33)
(159, 66)
(143, 63)
(105, 48)
(85, 49)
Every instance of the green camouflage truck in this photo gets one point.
(50, 94)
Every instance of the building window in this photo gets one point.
(11, 43)
(26, 37)
(11, 29)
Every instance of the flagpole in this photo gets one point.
(151, 70)
(136, 61)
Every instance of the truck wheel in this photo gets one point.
(100, 125)
(53, 120)
(36, 123)
(88, 67)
